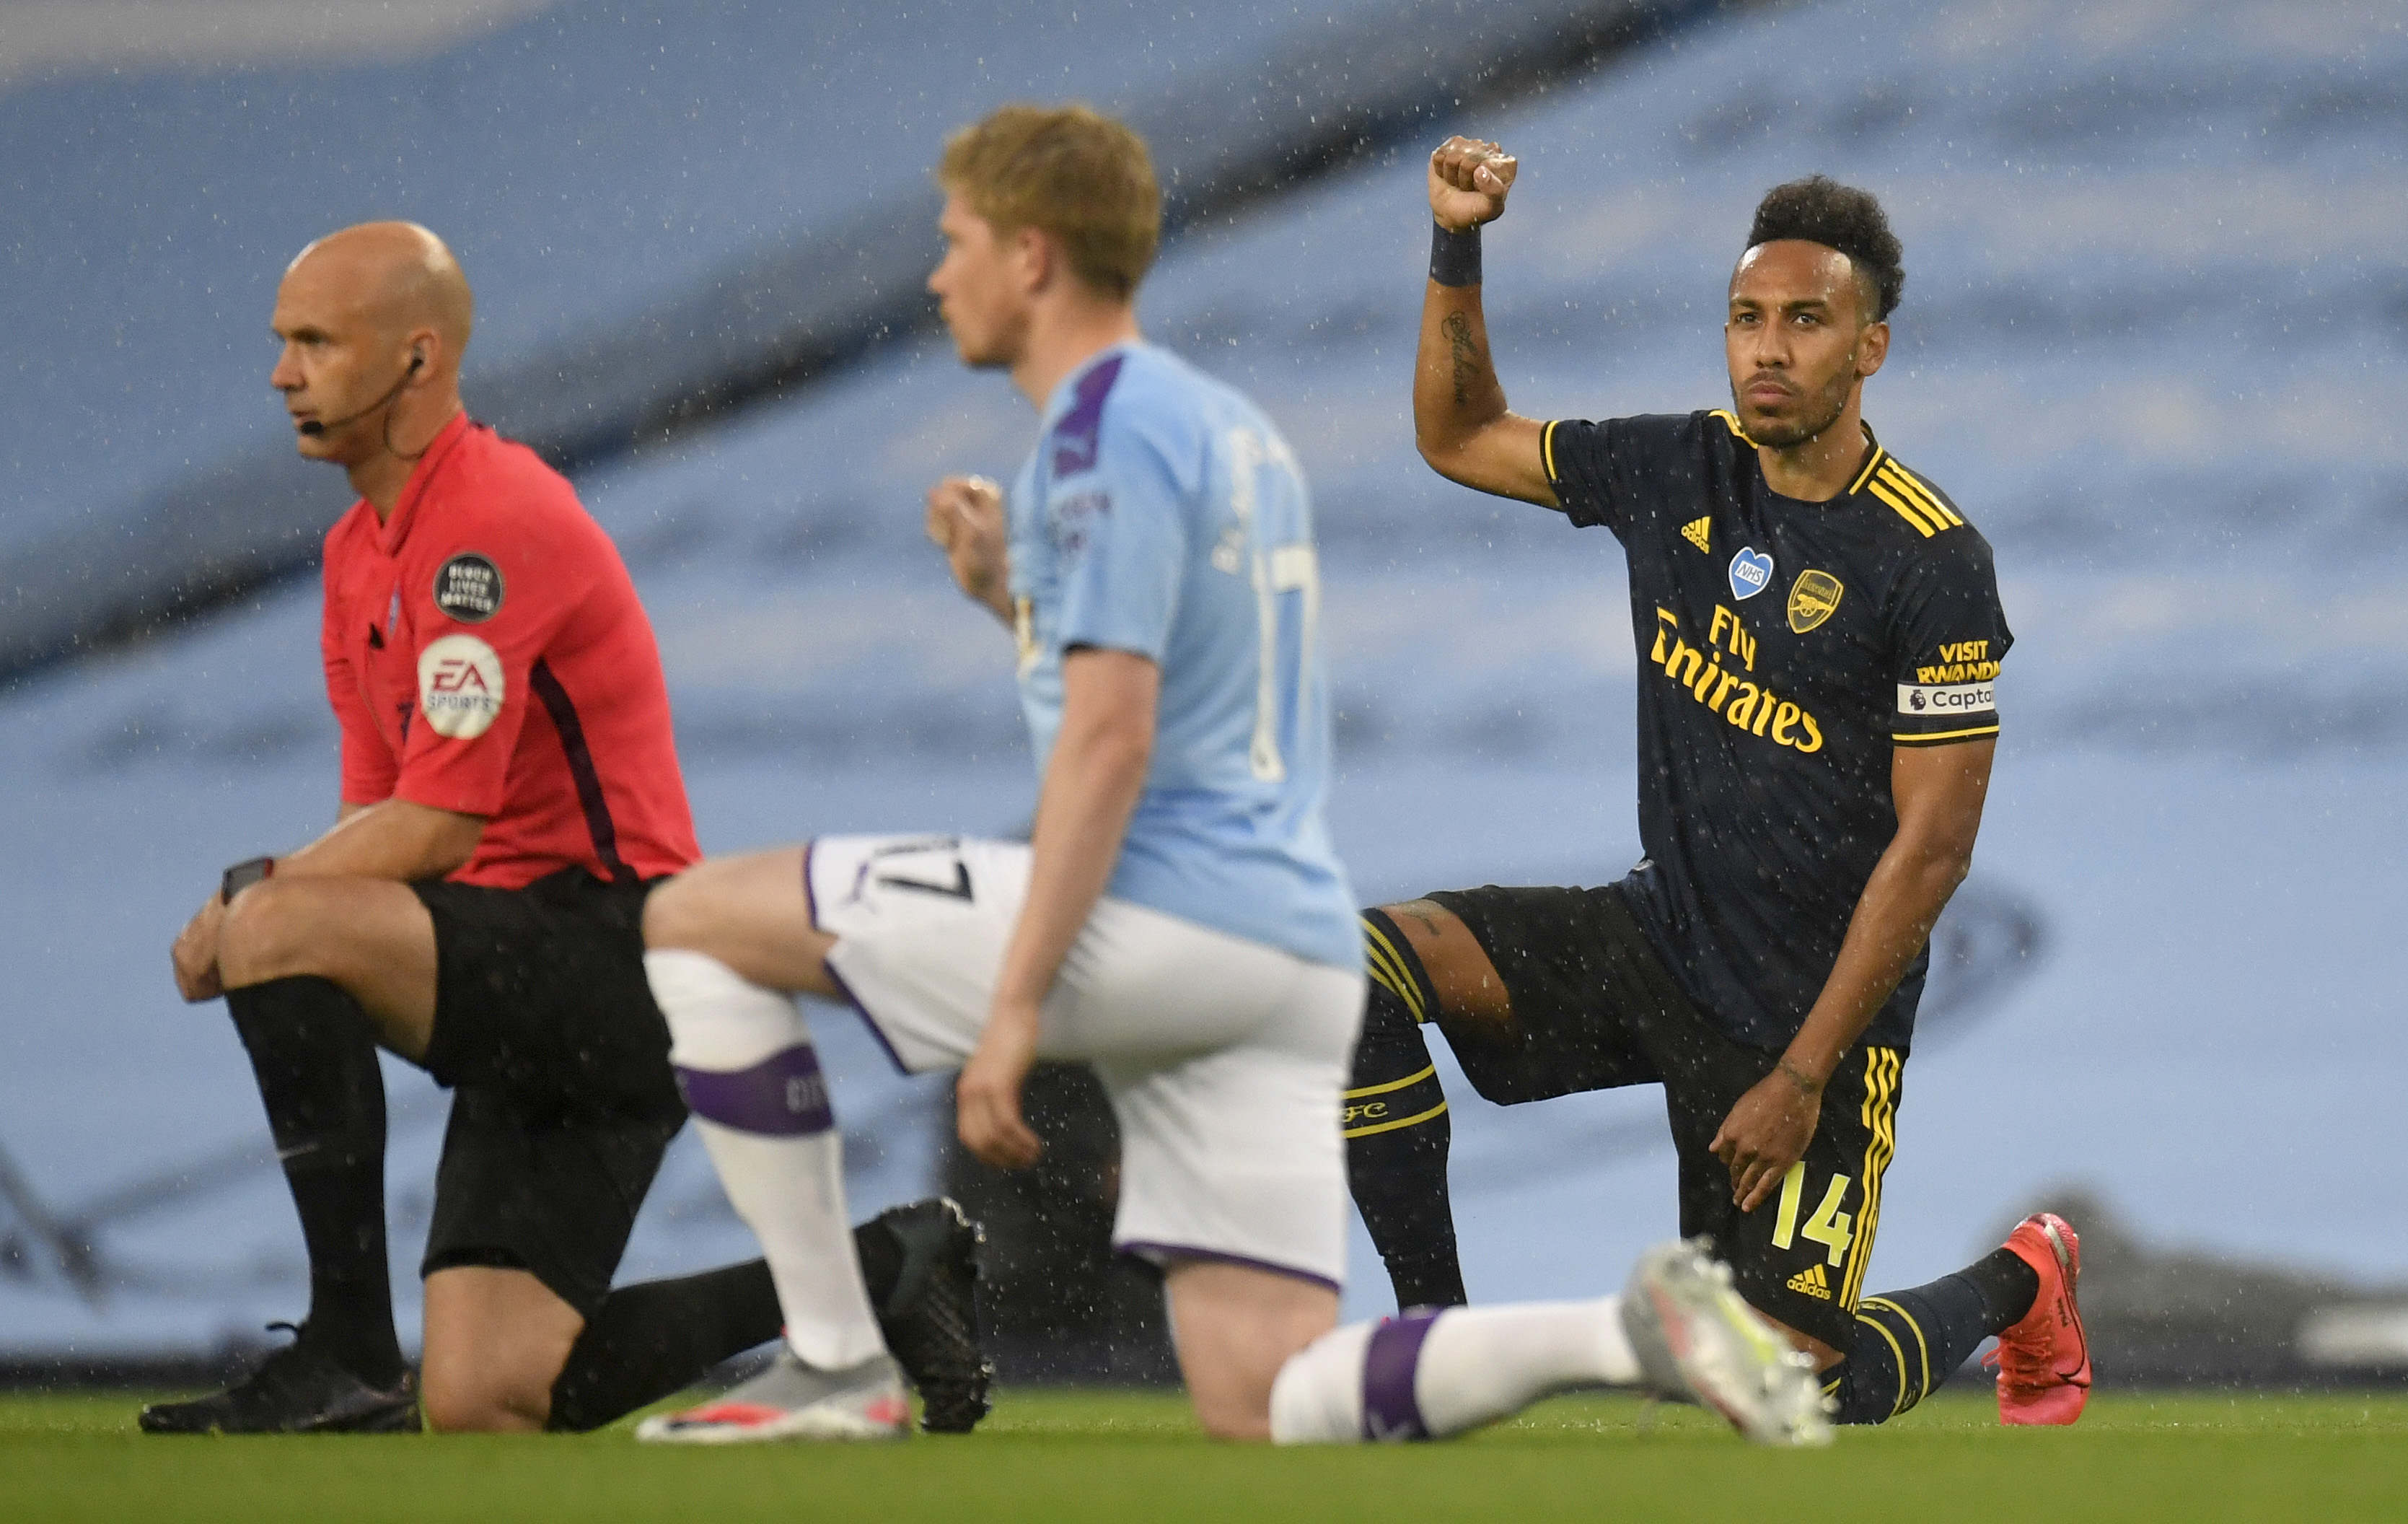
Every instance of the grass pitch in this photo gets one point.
(1058, 1456)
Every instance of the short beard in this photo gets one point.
(1002, 349)
(1784, 436)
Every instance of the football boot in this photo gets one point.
(2043, 1361)
(1698, 1340)
(793, 1401)
(930, 1320)
(295, 1390)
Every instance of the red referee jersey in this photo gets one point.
(486, 653)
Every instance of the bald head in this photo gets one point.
(373, 321)
(399, 276)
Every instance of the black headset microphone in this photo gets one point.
(316, 428)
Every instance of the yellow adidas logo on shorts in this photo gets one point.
(1811, 1282)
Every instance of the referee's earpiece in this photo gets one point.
(317, 427)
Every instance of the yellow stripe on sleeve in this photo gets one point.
(1898, 476)
(1880, 488)
(1547, 448)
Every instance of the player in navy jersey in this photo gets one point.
(1178, 919)
(1819, 633)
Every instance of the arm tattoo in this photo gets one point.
(1469, 360)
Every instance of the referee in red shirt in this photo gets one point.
(510, 794)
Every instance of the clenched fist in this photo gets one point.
(966, 520)
(1468, 181)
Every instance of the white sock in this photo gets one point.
(744, 1059)
(1426, 1376)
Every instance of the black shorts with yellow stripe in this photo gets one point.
(1594, 1009)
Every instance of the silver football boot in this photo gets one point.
(1697, 1337)
(793, 1401)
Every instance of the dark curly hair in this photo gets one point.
(1820, 209)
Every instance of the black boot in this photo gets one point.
(295, 1390)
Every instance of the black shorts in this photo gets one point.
(1594, 1009)
(545, 1028)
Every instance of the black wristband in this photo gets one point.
(1454, 257)
(242, 875)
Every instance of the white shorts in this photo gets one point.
(1226, 1059)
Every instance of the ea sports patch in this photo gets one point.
(468, 588)
(1751, 572)
(1811, 598)
(460, 686)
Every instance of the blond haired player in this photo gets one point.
(1179, 918)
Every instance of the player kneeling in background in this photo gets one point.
(1179, 920)
(509, 795)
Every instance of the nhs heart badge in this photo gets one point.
(1751, 572)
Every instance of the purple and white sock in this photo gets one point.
(1392, 1365)
(1428, 1374)
(744, 1059)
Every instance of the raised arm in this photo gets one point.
(1460, 420)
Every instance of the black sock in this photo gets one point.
(2008, 1288)
(315, 1060)
(646, 1341)
(1910, 1341)
(882, 1260)
(1397, 1127)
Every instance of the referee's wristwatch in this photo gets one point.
(242, 875)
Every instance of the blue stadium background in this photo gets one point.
(2155, 291)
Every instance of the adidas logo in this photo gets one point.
(1697, 532)
(1812, 1283)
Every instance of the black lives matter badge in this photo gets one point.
(468, 588)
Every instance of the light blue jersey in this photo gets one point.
(1162, 514)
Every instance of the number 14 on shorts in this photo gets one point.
(1829, 1226)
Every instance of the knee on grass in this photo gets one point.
(1232, 1414)
(485, 1401)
